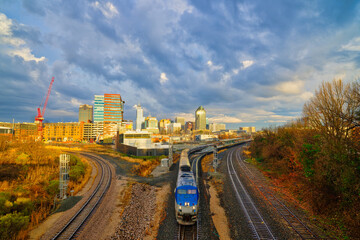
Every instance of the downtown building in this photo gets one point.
(248, 129)
(108, 114)
(164, 126)
(113, 114)
(200, 118)
(189, 127)
(20, 131)
(216, 127)
(180, 120)
(140, 119)
(151, 125)
(86, 113)
(63, 132)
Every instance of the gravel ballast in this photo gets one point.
(138, 214)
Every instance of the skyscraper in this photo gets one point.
(180, 120)
(99, 108)
(200, 118)
(113, 108)
(139, 117)
(85, 113)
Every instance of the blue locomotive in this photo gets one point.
(186, 193)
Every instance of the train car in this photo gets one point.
(186, 193)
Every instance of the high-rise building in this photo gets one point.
(200, 118)
(151, 124)
(99, 108)
(139, 117)
(113, 108)
(85, 113)
(109, 109)
(180, 120)
(163, 125)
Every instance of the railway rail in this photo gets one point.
(73, 226)
(257, 224)
(290, 217)
(187, 232)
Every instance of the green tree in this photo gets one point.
(11, 224)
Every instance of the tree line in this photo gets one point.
(318, 155)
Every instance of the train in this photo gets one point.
(186, 193)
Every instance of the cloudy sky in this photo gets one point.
(249, 63)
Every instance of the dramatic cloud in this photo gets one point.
(248, 62)
(12, 45)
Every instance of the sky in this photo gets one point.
(249, 63)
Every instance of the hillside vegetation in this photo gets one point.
(29, 182)
(317, 158)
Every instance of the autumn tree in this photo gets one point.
(332, 112)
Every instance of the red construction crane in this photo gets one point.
(40, 115)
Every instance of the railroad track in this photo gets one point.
(73, 226)
(187, 232)
(294, 222)
(257, 224)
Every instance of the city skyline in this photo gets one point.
(249, 63)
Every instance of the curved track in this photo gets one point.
(294, 222)
(256, 222)
(74, 225)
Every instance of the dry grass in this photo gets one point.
(145, 168)
(125, 197)
(206, 163)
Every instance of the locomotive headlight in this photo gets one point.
(194, 207)
(180, 207)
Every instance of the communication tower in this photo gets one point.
(64, 174)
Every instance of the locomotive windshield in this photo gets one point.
(188, 191)
(185, 168)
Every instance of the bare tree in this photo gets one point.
(332, 110)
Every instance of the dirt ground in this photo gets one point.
(218, 215)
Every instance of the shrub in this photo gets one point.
(11, 224)
(53, 188)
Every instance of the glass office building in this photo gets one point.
(99, 108)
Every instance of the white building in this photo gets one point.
(136, 139)
(140, 119)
